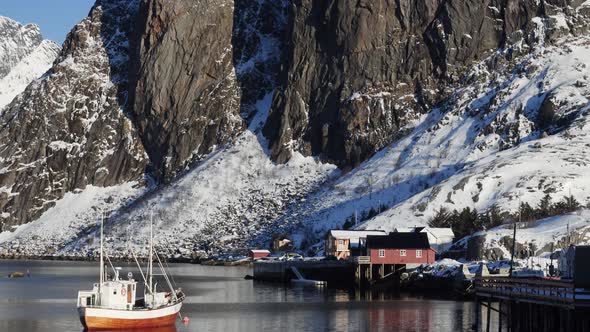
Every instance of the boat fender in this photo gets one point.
(123, 291)
(186, 320)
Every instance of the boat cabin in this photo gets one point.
(115, 294)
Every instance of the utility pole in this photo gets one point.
(514, 237)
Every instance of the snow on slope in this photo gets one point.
(25, 55)
(540, 235)
(70, 216)
(230, 198)
(485, 146)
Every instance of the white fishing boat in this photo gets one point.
(112, 303)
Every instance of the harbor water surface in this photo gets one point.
(220, 299)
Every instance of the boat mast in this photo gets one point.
(101, 256)
(150, 264)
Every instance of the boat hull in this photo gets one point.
(96, 319)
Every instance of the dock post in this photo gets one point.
(500, 315)
(477, 314)
(488, 320)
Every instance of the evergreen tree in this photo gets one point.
(545, 207)
(349, 222)
(466, 222)
(441, 218)
(496, 216)
(571, 203)
(527, 213)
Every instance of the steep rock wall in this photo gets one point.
(201, 66)
(359, 73)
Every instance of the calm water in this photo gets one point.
(219, 299)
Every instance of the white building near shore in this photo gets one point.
(441, 239)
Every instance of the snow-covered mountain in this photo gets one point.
(487, 146)
(24, 57)
(444, 104)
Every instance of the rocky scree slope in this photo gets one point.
(24, 56)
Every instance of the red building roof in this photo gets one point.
(399, 241)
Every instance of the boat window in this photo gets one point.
(88, 303)
(115, 292)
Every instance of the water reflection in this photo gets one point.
(153, 329)
(221, 300)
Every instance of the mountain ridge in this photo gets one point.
(24, 55)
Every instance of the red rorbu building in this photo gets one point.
(256, 254)
(400, 248)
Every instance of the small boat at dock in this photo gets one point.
(112, 303)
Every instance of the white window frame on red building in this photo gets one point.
(403, 253)
(419, 253)
(381, 252)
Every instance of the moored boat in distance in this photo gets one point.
(112, 303)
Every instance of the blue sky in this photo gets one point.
(55, 17)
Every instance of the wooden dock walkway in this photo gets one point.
(535, 305)
(541, 291)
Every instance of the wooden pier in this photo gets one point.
(368, 273)
(535, 305)
(335, 273)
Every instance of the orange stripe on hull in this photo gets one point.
(101, 323)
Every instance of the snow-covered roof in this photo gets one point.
(440, 232)
(436, 232)
(352, 234)
(404, 229)
(260, 251)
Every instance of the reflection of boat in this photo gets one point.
(112, 304)
(169, 328)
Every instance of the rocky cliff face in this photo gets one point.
(24, 56)
(68, 130)
(158, 85)
(359, 73)
(200, 68)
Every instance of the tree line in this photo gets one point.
(469, 220)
